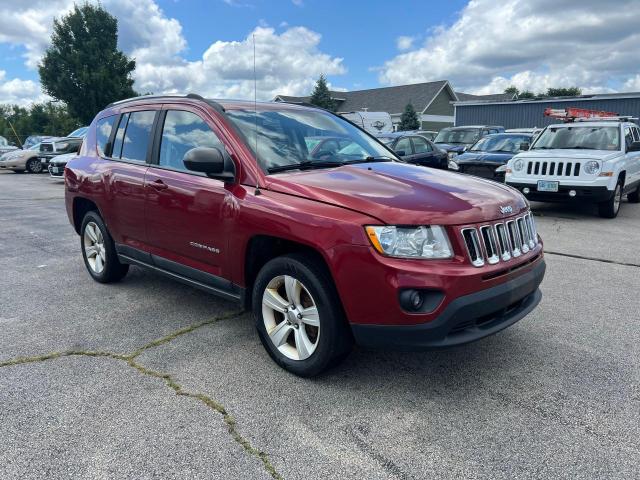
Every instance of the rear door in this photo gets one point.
(128, 150)
(187, 213)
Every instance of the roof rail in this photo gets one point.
(193, 96)
(607, 119)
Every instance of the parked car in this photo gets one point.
(375, 123)
(79, 132)
(22, 160)
(455, 140)
(415, 149)
(533, 131)
(590, 161)
(428, 134)
(32, 140)
(355, 247)
(486, 157)
(58, 146)
(57, 164)
(6, 146)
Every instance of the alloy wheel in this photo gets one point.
(94, 248)
(291, 318)
(617, 198)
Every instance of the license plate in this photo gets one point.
(547, 186)
(55, 170)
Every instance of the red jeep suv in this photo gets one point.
(326, 246)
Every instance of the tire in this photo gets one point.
(304, 349)
(102, 260)
(34, 166)
(634, 197)
(611, 207)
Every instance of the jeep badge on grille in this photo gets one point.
(506, 209)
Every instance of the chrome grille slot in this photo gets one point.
(474, 249)
(514, 238)
(522, 231)
(490, 244)
(532, 228)
(503, 241)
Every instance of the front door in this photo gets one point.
(423, 153)
(185, 211)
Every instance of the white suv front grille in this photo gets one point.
(553, 168)
(500, 242)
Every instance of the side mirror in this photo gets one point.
(400, 153)
(210, 161)
(524, 146)
(634, 147)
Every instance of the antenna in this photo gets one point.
(255, 102)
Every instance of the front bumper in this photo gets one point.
(465, 319)
(56, 170)
(583, 193)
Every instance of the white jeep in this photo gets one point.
(586, 161)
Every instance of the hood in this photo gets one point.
(398, 193)
(447, 147)
(62, 159)
(484, 157)
(570, 154)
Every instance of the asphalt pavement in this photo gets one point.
(148, 378)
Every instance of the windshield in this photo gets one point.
(500, 143)
(468, 136)
(289, 137)
(582, 137)
(80, 132)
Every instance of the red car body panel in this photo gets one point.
(325, 210)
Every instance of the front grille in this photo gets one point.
(556, 169)
(501, 241)
(479, 170)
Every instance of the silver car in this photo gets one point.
(23, 160)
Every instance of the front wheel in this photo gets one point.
(611, 207)
(298, 315)
(99, 252)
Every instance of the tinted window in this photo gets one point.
(183, 131)
(628, 136)
(116, 151)
(636, 134)
(420, 145)
(103, 133)
(404, 145)
(137, 136)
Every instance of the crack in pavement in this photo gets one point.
(593, 259)
(169, 380)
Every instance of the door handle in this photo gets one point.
(159, 185)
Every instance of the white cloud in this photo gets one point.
(404, 43)
(17, 91)
(287, 62)
(533, 44)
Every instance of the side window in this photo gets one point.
(404, 145)
(485, 132)
(116, 151)
(103, 133)
(137, 136)
(628, 136)
(181, 132)
(420, 145)
(636, 134)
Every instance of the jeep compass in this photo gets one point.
(326, 247)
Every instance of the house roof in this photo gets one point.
(385, 99)
(495, 97)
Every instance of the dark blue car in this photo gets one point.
(487, 154)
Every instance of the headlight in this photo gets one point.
(453, 165)
(502, 169)
(427, 242)
(518, 165)
(591, 167)
(451, 155)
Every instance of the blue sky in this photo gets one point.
(480, 46)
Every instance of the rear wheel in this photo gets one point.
(298, 315)
(634, 197)
(99, 252)
(34, 165)
(611, 207)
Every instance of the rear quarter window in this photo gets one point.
(104, 126)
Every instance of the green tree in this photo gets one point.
(321, 96)
(512, 90)
(564, 92)
(83, 66)
(39, 119)
(526, 94)
(409, 119)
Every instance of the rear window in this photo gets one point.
(103, 133)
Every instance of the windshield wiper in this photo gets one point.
(367, 160)
(307, 164)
